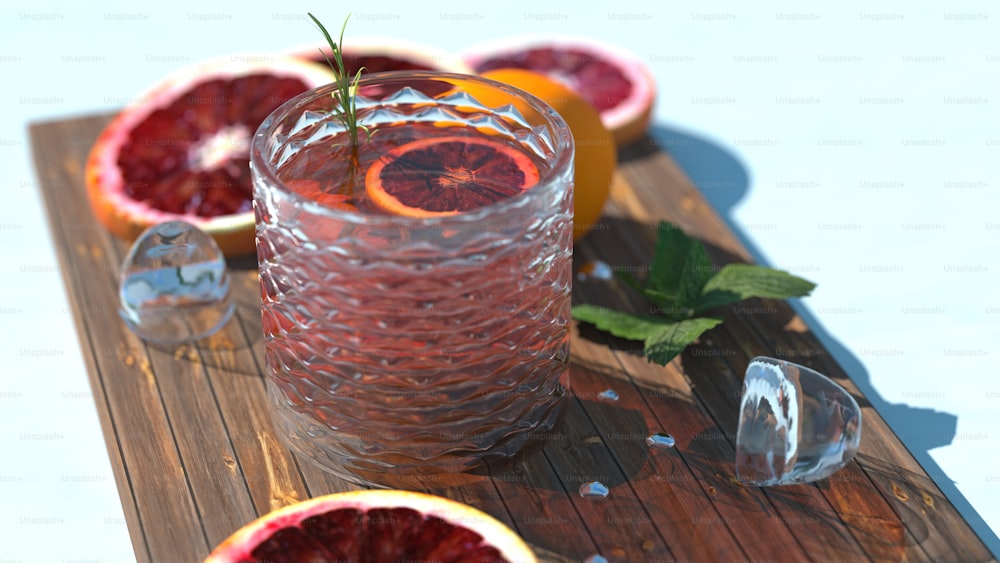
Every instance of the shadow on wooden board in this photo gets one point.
(724, 181)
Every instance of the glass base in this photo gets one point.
(401, 463)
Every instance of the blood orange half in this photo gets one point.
(381, 54)
(595, 156)
(616, 82)
(376, 525)
(378, 54)
(181, 151)
(441, 176)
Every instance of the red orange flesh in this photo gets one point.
(442, 176)
(613, 80)
(181, 151)
(366, 525)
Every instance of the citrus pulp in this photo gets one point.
(616, 82)
(440, 176)
(181, 150)
(374, 525)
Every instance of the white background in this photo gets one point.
(856, 145)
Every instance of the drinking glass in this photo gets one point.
(795, 426)
(407, 346)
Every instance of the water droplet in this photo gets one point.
(595, 270)
(595, 558)
(660, 440)
(174, 286)
(594, 489)
(608, 395)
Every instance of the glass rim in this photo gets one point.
(780, 362)
(563, 147)
(783, 364)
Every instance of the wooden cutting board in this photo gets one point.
(196, 457)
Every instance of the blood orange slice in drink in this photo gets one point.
(613, 80)
(375, 525)
(181, 151)
(440, 176)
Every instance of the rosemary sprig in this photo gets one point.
(347, 88)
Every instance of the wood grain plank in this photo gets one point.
(711, 469)
(51, 175)
(824, 534)
(159, 488)
(276, 476)
(923, 535)
(647, 196)
(621, 528)
(672, 499)
(195, 453)
(827, 527)
(830, 534)
(272, 476)
(541, 508)
(855, 506)
(933, 526)
(199, 432)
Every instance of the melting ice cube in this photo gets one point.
(795, 425)
(174, 286)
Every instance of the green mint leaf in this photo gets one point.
(697, 271)
(668, 259)
(622, 325)
(736, 282)
(662, 299)
(667, 341)
(682, 283)
(680, 268)
(667, 305)
(630, 281)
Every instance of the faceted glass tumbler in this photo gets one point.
(402, 346)
(795, 426)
